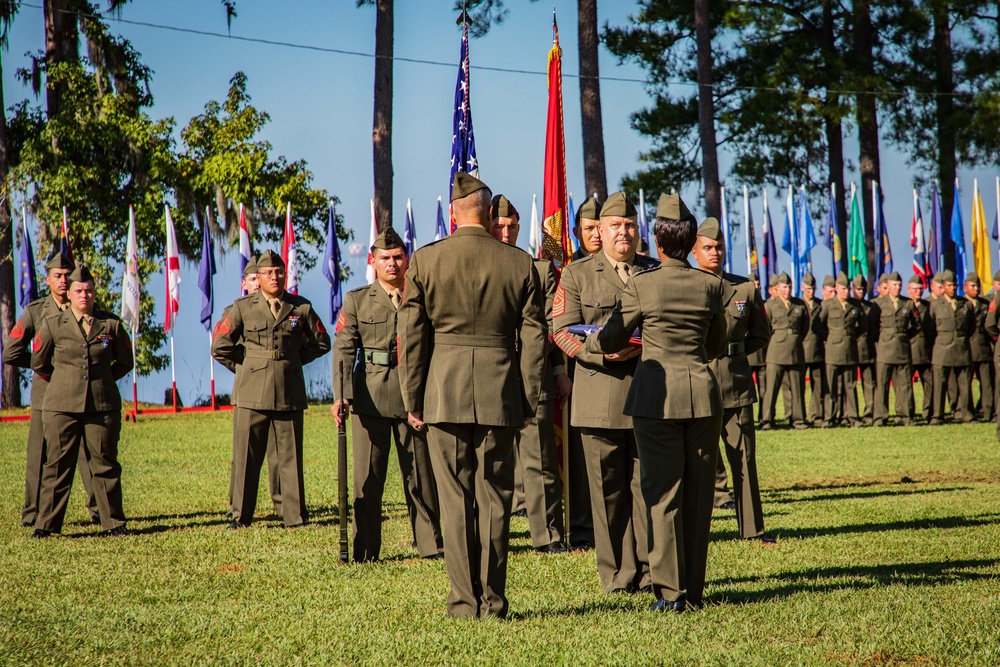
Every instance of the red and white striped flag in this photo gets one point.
(290, 255)
(373, 234)
(173, 271)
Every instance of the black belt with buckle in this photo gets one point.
(380, 358)
(736, 348)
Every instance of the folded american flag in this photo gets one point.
(587, 329)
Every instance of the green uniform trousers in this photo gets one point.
(371, 439)
(96, 433)
(961, 376)
(677, 458)
(842, 381)
(616, 502)
(35, 464)
(901, 376)
(539, 467)
(474, 469)
(273, 474)
(867, 372)
(926, 376)
(251, 431)
(772, 386)
(739, 441)
(983, 371)
(581, 518)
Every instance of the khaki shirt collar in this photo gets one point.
(61, 306)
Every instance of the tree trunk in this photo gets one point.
(594, 170)
(62, 44)
(706, 109)
(11, 377)
(867, 123)
(944, 84)
(834, 126)
(382, 123)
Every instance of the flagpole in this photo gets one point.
(725, 232)
(173, 370)
(998, 224)
(746, 223)
(135, 390)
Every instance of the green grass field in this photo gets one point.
(889, 554)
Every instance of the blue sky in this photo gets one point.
(321, 111)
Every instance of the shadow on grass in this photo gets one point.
(915, 524)
(858, 578)
(786, 497)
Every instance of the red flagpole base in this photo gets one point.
(214, 406)
(173, 386)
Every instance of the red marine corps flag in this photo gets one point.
(555, 240)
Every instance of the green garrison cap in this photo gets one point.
(860, 281)
(270, 259)
(711, 229)
(828, 281)
(915, 280)
(939, 277)
(883, 279)
(895, 277)
(590, 209)
(947, 276)
(388, 240)
(465, 185)
(842, 279)
(809, 280)
(672, 207)
(81, 274)
(502, 208)
(59, 261)
(972, 277)
(251, 267)
(784, 279)
(617, 204)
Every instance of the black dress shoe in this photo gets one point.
(27, 524)
(437, 556)
(729, 506)
(297, 525)
(523, 513)
(662, 605)
(581, 546)
(765, 539)
(120, 531)
(235, 525)
(554, 548)
(40, 534)
(95, 518)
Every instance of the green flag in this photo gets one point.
(856, 240)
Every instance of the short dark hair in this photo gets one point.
(675, 237)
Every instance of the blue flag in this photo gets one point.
(935, 236)
(770, 250)
(831, 239)
(331, 265)
(958, 238)
(440, 231)
(205, 273)
(883, 253)
(806, 236)
(790, 242)
(29, 279)
(409, 230)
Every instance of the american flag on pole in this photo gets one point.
(409, 230)
(173, 269)
(440, 231)
(463, 141)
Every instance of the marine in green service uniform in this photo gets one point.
(951, 320)
(921, 342)
(841, 320)
(589, 289)
(866, 347)
(980, 349)
(789, 320)
(17, 352)
(273, 334)
(365, 343)
(748, 330)
(815, 364)
(81, 352)
(898, 322)
(472, 345)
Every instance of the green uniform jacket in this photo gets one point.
(951, 332)
(921, 342)
(812, 343)
(788, 327)
(749, 331)
(895, 328)
(589, 290)
(992, 324)
(682, 314)
(82, 372)
(980, 345)
(17, 344)
(548, 283)
(367, 323)
(841, 328)
(866, 337)
(272, 352)
(473, 334)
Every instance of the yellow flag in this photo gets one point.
(980, 237)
